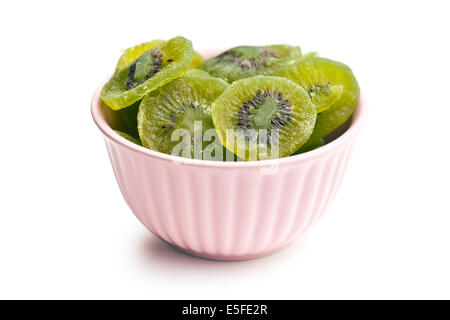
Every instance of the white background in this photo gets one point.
(65, 231)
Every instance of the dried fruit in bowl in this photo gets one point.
(247, 103)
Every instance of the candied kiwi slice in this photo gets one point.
(128, 137)
(152, 69)
(332, 87)
(174, 118)
(247, 61)
(274, 115)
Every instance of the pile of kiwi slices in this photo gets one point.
(248, 103)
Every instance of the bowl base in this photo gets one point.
(228, 258)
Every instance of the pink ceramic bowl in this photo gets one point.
(227, 210)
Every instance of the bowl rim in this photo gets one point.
(359, 117)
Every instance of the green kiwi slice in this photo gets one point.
(247, 61)
(176, 118)
(128, 137)
(264, 117)
(151, 70)
(332, 87)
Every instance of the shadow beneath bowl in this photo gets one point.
(157, 253)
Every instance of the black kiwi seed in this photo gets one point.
(266, 110)
(155, 67)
